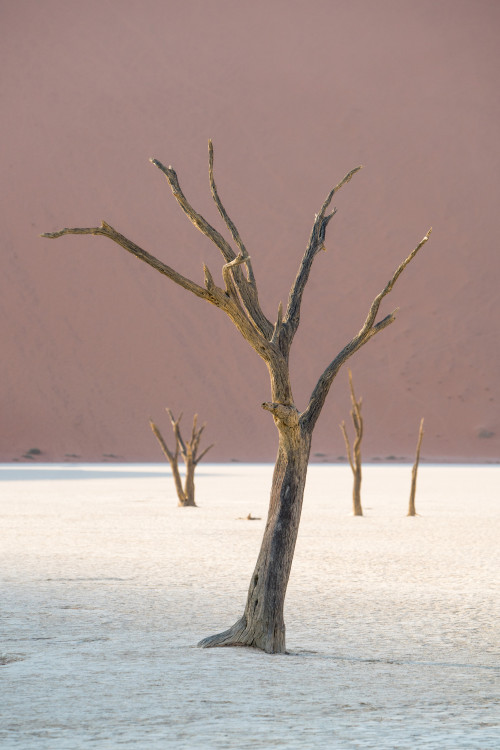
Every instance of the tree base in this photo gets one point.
(243, 635)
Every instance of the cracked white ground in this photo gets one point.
(106, 587)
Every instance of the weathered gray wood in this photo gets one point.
(413, 489)
(262, 624)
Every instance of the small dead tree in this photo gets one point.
(354, 456)
(189, 451)
(262, 624)
(413, 490)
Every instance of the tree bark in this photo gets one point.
(189, 487)
(262, 624)
(413, 490)
(357, 508)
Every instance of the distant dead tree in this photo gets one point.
(354, 456)
(189, 451)
(413, 490)
(262, 623)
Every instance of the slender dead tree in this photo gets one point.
(354, 456)
(262, 624)
(189, 451)
(413, 490)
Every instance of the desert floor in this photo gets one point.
(106, 587)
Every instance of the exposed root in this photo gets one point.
(241, 635)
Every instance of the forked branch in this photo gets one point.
(168, 453)
(246, 288)
(388, 287)
(177, 432)
(347, 444)
(229, 270)
(315, 244)
(107, 231)
(239, 300)
(227, 220)
(189, 448)
(203, 453)
(189, 452)
(369, 329)
(197, 219)
(173, 459)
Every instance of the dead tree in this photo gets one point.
(413, 490)
(354, 456)
(189, 451)
(262, 625)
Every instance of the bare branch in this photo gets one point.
(195, 439)
(193, 430)
(397, 273)
(209, 279)
(107, 231)
(177, 432)
(368, 331)
(278, 324)
(198, 459)
(246, 287)
(347, 444)
(356, 417)
(228, 222)
(230, 283)
(75, 230)
(315, 244)
(171, 456)
(253, 326)
(320, 392)
(196, 218)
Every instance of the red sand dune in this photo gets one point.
(293, 94)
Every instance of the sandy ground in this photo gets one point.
(107, 586)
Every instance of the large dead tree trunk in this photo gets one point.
(262, 624)
(189, 451)
(354, 456)
(413, 490)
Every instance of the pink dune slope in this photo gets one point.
(293, 95)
